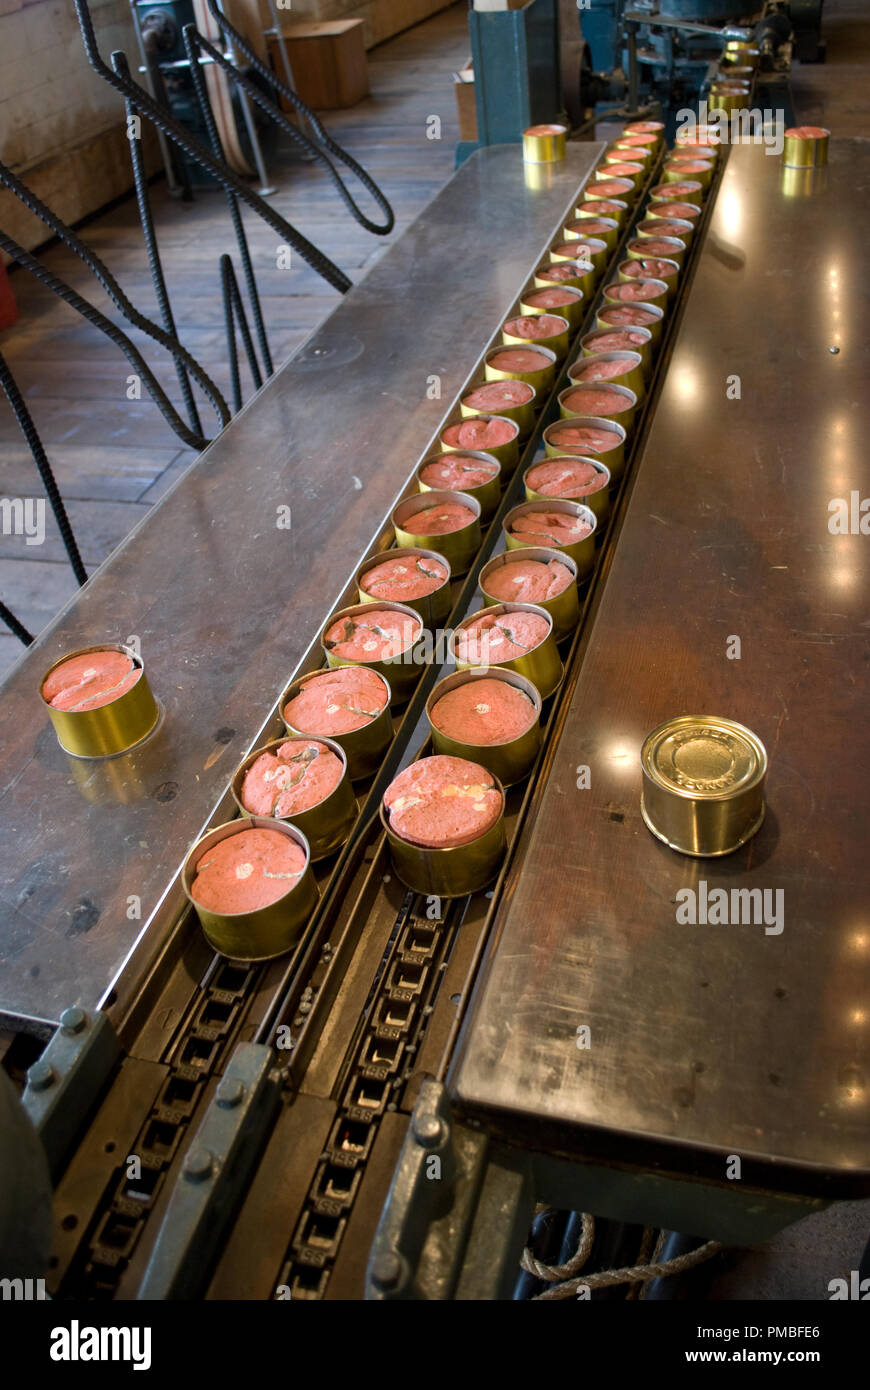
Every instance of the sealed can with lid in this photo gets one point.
(703, 784)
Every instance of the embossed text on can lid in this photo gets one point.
(704, 757)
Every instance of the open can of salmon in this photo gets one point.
(544, 144)
(630, 339)
(643, 292)
(470, 471)
(449, 871)
(573, 478)
(703, 784)
(564, 300)
(496, 435)
(516, 636)
(553, 330)
(583, 246)
(649, 316)
(402, 570)
(359, 697)
(536, 365)
(491, 716)
(99, 700)
(576, 274)
(621, 365)
(615, 208)
(223, 874)
(442, 520)
(567, 527)
(591, 229)
(583, 435)
(669, 248)
(514, 400)
(284, 764)
(806, 147)
(498, 586)
(354, 636)
(606, 400)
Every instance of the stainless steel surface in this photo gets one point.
(711, 1040)
(226, 605)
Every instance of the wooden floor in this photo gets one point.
(113, 457)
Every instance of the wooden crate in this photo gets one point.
(328, 61)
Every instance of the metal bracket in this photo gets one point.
(63, 1084)
(216, 1169)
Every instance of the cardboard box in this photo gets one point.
(466, 107)
(328, 62)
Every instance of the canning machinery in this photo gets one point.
(378, 1113)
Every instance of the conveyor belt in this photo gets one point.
(359, 1014)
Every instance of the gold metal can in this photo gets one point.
(571, 403)
(557, 343)
(703, 784)
(433, 608)
(325, 826)
(541, 378)
(650, 229)
(582, 552)
(574, 311)
(401, 672)
(113, 728)
(542, 665)
(674, 248)
(506, 455)
(728, 101)
(741, 52)
(660, 298)
(488, 494)
(589, 343)
(458, 547)
(266, 932)
(544, 144)
(563, 608)
(670, 273)
(606, 318)
(453, 872)
(674, 170)
(511, 760)
(613, 459)
(632, 373)
(805, 147)
(623, 189)
(363, 748)
(598, 501)
(617, 209)
(583, 279)
(629, 170)
(606, 230)
(681, 191)
(619, 152)
(524, 414)
(589, 250)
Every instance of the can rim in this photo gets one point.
(365, 610)
(235, 827)
(531, 552)
(249, 758)
(328, 671)
(481, 454)
(134, 656)
(657, 735)
(568, 458)
(475, 673)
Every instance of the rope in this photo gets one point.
(632, 1274)
(532, 1265)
